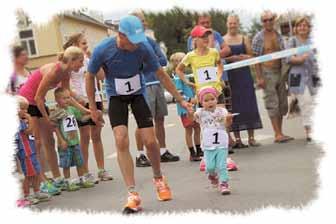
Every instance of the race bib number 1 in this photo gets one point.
(215, 138)
(207, 74)
(128, 86)
(69, 123)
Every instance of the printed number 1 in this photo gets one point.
(129, 87)
(207, 75)
(216, 138)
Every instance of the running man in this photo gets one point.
(122, 58)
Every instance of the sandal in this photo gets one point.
(253, 143)
(283, 139)
(239, 145)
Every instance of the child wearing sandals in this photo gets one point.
(213, 121)
(26, 154)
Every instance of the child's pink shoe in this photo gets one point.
(224, 188)
(21, 203)
(231, 165)
(202, 165)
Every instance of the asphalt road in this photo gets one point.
(274, 174)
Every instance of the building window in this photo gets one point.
(28, 42)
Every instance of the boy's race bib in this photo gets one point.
(213, 138)
(207, 74)
(69, 123)
(128, 86)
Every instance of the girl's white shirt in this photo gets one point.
(77, 82)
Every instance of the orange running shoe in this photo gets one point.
(133, 203)
(162, 189)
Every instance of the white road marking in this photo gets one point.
(170, 125)
(112, 156)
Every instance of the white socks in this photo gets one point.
(139, 153)
(163, 150)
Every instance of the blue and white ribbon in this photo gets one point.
(269, 57)
(248, 62)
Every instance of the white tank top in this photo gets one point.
(77, 82)
(20, 80)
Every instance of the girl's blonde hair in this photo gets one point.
(175, 59)
(21, 101)
(70, 54)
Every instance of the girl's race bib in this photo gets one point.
(207, 74)
(213, 138)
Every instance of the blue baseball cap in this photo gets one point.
(132, 27)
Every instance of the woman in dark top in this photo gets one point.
(244, 99)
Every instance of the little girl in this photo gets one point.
(192, 128)
(214, 120)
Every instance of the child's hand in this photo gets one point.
(63, 145)
(228, 120)
(26, 116)
(193, 101)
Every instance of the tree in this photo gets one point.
(173, 26)
(170, 27)
(254, 28)
(218, 20)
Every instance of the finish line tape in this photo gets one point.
(253, 61)
(268, 57)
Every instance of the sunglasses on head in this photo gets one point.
(267, 20)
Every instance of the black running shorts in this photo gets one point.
(118, 110)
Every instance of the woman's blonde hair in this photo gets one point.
(70, 54)
(234, 16)
(73, 40)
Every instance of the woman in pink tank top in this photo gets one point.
(35, 90)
